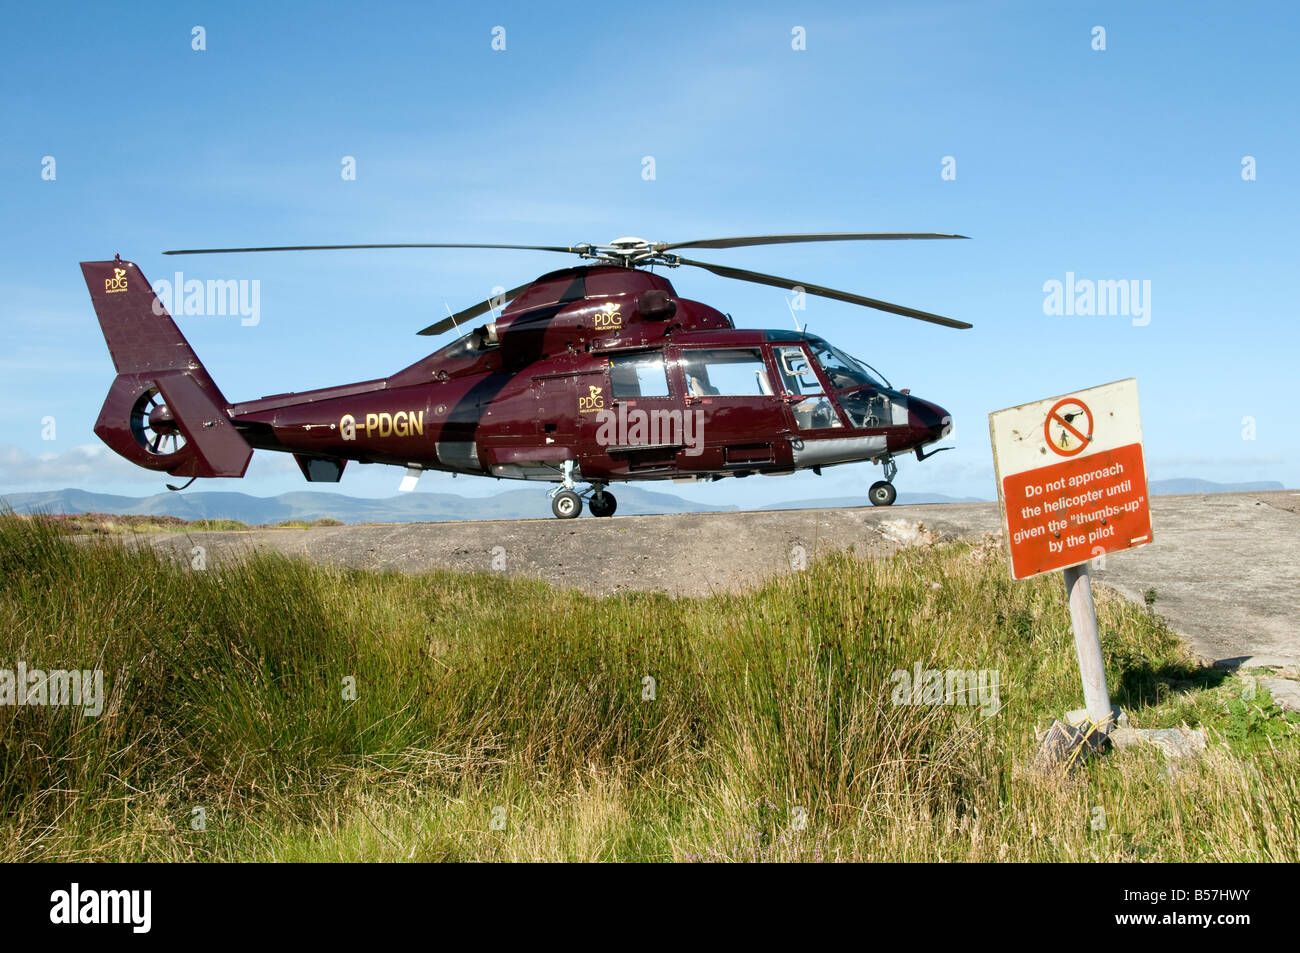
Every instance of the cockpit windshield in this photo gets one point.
(843, 371)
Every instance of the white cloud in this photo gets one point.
(96, 468)
(87, 465)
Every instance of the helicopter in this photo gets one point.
(594, 374)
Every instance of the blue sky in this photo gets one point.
(1122, 164)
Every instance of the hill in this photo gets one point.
(312, 505)
(526, 503)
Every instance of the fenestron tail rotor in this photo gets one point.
(632, 252)
(154, 427)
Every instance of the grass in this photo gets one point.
(279, 710)
(107, 524)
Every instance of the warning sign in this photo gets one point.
(1071, 478)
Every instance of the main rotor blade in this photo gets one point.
(455, 320)
(787, 284)
(220, 251)
(810, 237)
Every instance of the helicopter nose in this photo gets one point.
(930, 421)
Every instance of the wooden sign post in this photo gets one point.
(1072, 487)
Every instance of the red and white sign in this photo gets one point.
(1071, 478)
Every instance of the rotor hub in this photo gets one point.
(629, 251)
(161, 420)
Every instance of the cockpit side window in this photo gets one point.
(812, 409)
(797, 375)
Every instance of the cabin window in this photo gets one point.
(725, 372)
(638, 375)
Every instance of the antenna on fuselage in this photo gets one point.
(793, 317)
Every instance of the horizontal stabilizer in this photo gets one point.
(220, 449)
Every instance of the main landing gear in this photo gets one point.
(602, 502)
(882, 492)
(566, 505)
(566, 499)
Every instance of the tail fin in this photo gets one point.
(163, 411)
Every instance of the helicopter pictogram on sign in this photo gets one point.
(1066, 434)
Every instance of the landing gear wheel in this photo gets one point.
(566, 505)
(882, 493)
(602, 504)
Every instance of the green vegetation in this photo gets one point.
(1255, 724)
(482, 698)
(107, 524)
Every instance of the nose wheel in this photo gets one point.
(882, 492)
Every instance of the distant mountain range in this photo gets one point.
(835, 502)
(310, 505)
(1156, 488)
(528, 503)
(1188, 487)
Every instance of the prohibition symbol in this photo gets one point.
(1066, 434)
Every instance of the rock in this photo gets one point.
(906, 533)
(1285, 692)
(1286, 664)
(1174, 742)
(1124, 737)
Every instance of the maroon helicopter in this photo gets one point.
(586, 376)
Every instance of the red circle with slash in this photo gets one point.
(1055, 414)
